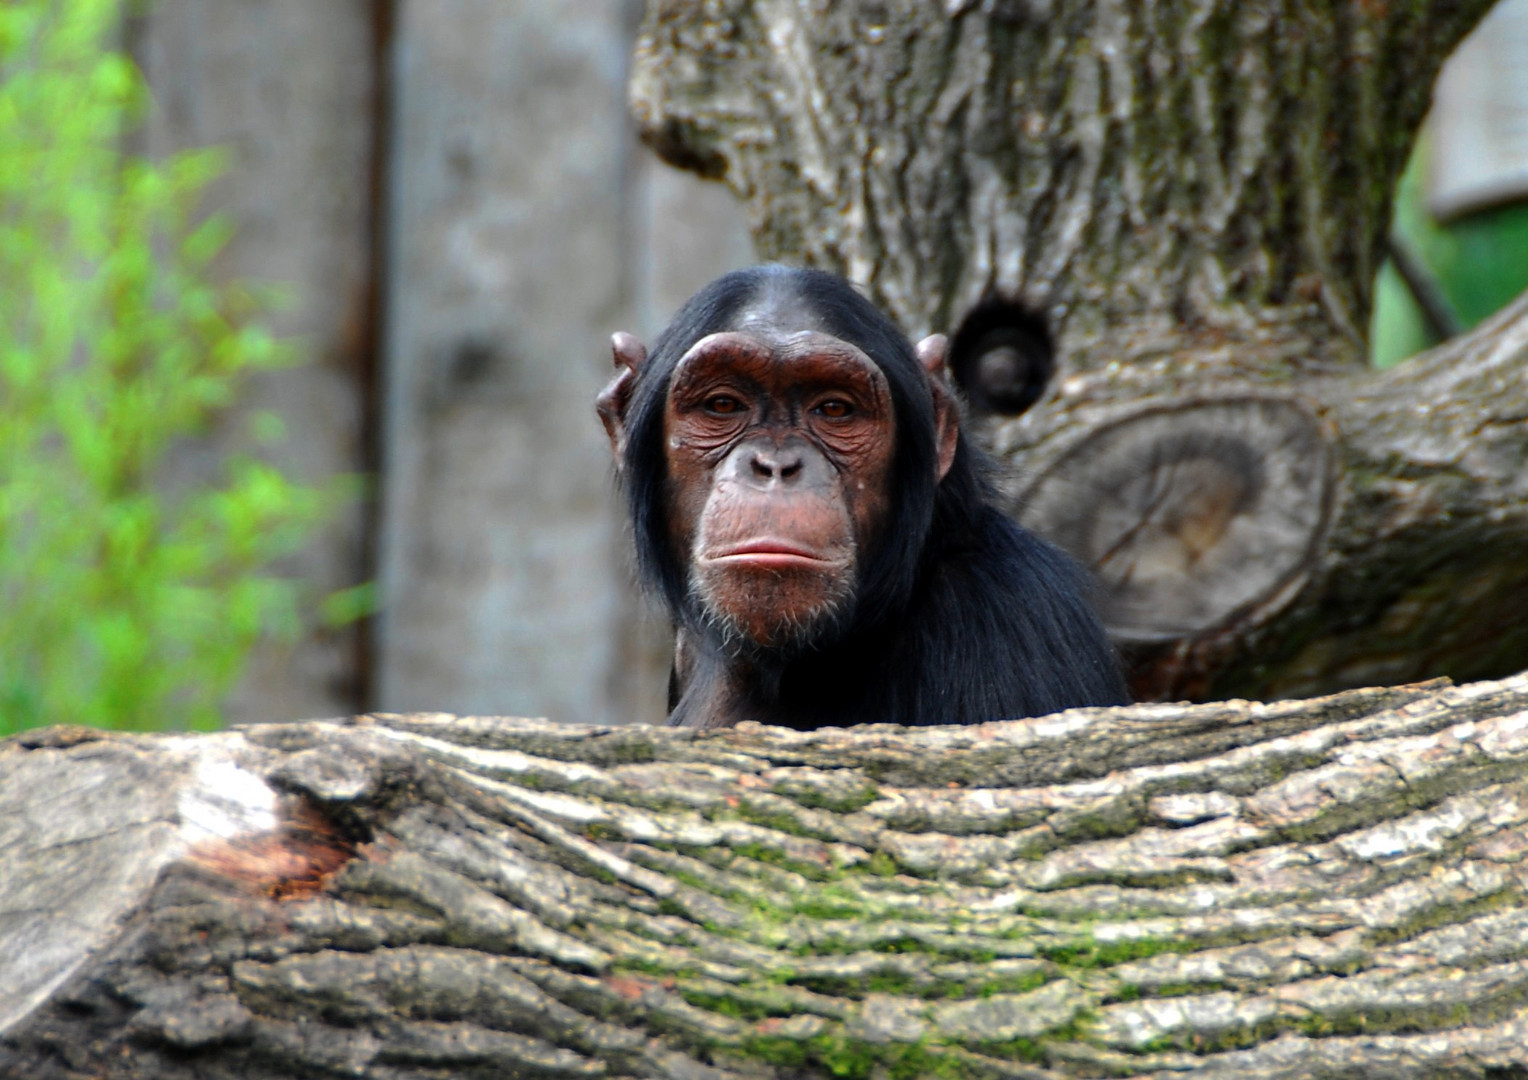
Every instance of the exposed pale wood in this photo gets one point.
(1191, 198)
(1331, 887)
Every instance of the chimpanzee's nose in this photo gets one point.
(776, 463)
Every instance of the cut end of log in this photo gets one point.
(1192, 515)
(90, 820)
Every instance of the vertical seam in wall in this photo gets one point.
(383, 21)
(634, 255)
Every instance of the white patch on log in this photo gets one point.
(225, 802)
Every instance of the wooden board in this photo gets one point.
(1480, 117)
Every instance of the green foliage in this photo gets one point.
(120, 605)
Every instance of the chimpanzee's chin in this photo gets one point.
(767, 618)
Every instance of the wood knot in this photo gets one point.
(1192, 515)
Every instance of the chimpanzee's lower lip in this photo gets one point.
(770, 554)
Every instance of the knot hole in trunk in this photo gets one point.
(1002, 358)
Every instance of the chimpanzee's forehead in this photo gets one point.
(779, 311)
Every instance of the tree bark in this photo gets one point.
(1187, 200)
(1323, 888)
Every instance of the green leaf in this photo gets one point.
(128, 601)
(345, 606)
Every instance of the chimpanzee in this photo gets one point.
(822, 532)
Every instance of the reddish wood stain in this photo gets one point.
(292, 862)
(629, 987)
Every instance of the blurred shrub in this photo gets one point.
(120, 605)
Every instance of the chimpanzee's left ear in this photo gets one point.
(629, 355)
(932, 352)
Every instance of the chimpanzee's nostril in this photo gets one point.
(774, 463)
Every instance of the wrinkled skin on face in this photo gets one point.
(779, 450)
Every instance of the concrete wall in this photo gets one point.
(520, 226)
(1480, 117)
(288, 87)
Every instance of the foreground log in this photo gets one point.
(1331, 887)
(1163, 220)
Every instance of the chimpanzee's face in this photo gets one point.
(764, 459)
(779, 448)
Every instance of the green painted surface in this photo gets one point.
(1480, 264)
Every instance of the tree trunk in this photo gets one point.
(1324, 888)
(1185, 203)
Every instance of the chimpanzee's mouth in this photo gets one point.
(771, 554)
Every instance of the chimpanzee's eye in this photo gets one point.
(723, 404)
(835, 409)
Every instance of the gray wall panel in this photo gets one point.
(500, 543)
(523, 225)
(287, 86)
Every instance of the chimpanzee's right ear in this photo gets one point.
(932, 352)
(629, 355)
